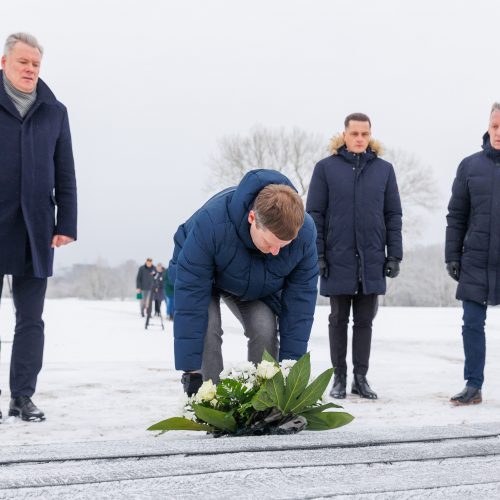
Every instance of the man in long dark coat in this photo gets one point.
(472, 251)
(36, 177)
(354, 201)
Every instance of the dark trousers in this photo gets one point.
(474, 342)
(27, 349)
(364, 309)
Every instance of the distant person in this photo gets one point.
(168, 289)
(36, 175)
(157, 289)
(144, 283)
(253, 247)
(472, 251)
(354, 201)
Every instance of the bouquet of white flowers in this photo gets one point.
(270, 398)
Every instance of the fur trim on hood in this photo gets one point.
(337, 141)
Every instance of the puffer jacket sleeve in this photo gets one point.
(393, 217)
(298, 301)
(193, 287)
(458, 217)
(317, 204)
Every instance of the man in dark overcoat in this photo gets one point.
(144, 283)
(354, 201)
(37, 179)
(472, 251)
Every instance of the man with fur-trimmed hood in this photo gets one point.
(354, 200)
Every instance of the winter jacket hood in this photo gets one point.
(488, 149)
(337, 142)
(243, 198)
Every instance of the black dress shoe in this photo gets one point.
(361, 387)
(339, 386)
(25, 408)
(468, 396)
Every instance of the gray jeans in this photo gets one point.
(260, 326)
(144, 301)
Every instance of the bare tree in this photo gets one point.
(417, 188)
(294, 153)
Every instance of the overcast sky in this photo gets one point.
(152, 85)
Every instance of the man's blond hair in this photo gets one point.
(279, 209)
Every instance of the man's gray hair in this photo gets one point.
(24, 38)
(495, 107)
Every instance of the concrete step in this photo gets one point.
(443, 461)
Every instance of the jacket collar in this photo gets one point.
(362, 158)
(43, 95)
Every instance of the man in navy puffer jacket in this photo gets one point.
(354, 201)
(254, 247)
(472, 251)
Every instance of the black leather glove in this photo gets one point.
(453, 268)
(391, 267)
(191, 382)
(323, 266)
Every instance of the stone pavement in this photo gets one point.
(431, 462)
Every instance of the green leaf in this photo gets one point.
(275, 388)
(296, 381)
(327, 420)
(179, 424)
(312, 392)
(267, 357)
(216, 418)
(261, 401)
(318, 409)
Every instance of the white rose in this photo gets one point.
(266, 369)
(206, 392)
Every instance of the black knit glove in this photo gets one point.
(391, 267)
(323, 266)
(191, 382)
(453, 268)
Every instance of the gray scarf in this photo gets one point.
(21, 100)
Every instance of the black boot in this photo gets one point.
(339, 386)
(468, 396)
(360, 386)
(23, 407)
(191, 382)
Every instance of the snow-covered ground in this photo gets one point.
(105, 377)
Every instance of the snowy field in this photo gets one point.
(105, 377)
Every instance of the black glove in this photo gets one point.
(453, 268)
(391, 267)
(323, 266)
(191, 382)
